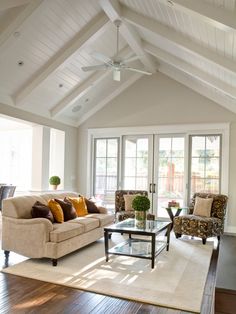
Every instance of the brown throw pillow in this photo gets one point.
(68, 209)
(91, 207)
(40, 210)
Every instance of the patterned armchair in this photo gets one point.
(199, 226)
(121, 213)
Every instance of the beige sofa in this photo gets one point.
(38, 237)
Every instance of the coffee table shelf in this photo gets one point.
(137, 248)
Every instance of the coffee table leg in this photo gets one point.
(106, 238)
(168, 237)
(153, 249)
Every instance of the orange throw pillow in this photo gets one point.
(56, 210)
(79, 205)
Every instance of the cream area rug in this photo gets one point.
(177, 281)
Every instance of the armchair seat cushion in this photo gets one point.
(198, 226)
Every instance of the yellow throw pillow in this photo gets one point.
(79, 205)
(56, 210)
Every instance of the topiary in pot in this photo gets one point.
(54, 181)
(141, 205)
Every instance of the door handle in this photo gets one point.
(154, 190)
(150, 188)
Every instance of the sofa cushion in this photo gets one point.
(68, 209)
(56, 210)
(88, 223)
(104, 219)
(40, 210)
(64, 231)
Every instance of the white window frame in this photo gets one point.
(186, 129)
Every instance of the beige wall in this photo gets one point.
(70, 180)
(160, 100)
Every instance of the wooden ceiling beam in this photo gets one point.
(84, 87)
(14, 26)
(212, 14)
(123, 86)
(90, 32)
(113, 11)
(8, 4)
(187, 68)
(176, 40)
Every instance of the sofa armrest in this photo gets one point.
(26, 236)
(102, 210)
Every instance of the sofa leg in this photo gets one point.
(203, 241)
(178, 235)
(218, 237)
(54, 262)
(6, 253)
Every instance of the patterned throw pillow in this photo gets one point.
(68, 209)
(202, 206)
(79, 205)
(40, 210)
(56, 210)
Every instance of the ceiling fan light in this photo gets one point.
(116, 75)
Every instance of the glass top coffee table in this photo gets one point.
(147, 247)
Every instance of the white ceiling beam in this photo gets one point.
(84, 87)
(8, 4)
(89, 33)
(124, 85)
(179, 41)
(78, 92)
(202, 89)
(113, 11)
(212, 14)
(191, 70)
(19, 20)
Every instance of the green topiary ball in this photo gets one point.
(141, 203)
(54, 180)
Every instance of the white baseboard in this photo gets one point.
(230, 229)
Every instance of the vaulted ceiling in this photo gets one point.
(45, 43)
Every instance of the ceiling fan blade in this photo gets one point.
(137, 70)
(101, 57)
(116, 75)
(95, 67)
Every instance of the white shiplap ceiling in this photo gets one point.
(193, 42)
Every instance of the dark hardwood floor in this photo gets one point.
(22, 295)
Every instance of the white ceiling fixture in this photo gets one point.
(117, 64)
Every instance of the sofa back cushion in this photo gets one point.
(21, 206)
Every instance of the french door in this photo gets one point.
(169, 166)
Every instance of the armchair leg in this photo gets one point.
(178, 235)
(203, 241)
(218, 237)
(6, 253)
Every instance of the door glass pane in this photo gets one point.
(136, 163)
(205, 170)
(106, 170)
(170, 172)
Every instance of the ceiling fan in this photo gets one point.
(116, 63)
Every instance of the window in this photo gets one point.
(106, 169)
(136, 162)
(205, 167)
